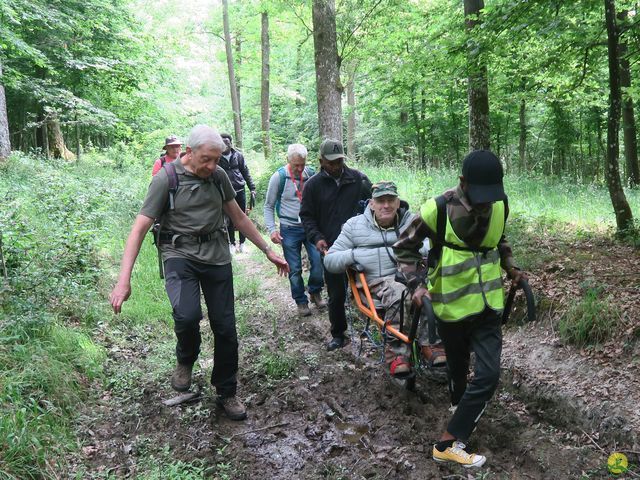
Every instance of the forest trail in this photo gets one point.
(318, 414)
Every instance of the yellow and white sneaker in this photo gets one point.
(456, 454)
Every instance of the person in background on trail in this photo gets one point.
(196, 257)
(467, 225)
(329, 199)
(172, 148)
(284, 196)
(232, 162)
(367, 240)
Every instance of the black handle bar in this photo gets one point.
(528, 293)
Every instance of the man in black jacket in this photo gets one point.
(329, 199)
(232, 162)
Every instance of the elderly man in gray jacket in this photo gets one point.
(284, 196)
(367, 239)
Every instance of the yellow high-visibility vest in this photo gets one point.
(464, 282)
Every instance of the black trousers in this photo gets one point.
(184, 279)
(241, 198)
(336, 284)
(482, 334)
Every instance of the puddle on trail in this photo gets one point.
(352, 432)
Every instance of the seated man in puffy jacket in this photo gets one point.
(367, 239)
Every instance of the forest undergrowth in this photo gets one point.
(63, 228)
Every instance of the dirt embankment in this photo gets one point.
(335, 415)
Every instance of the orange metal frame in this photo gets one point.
(369, 309)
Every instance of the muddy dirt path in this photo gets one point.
(312, 414)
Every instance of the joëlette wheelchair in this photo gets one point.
(416, 319)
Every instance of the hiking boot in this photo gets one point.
(303, 310)
(233, 407)
(181, 378)
(337, 342)
(456, 453)
(316, 299)
(434, 354)
(400, 367)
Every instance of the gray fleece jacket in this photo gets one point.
(363, 241)
(289, 202)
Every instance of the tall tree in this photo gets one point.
(522, 142)
(5, 143)
(351, 115)
(328, 86)
(624, 217)
(628, 115)
(235, 100)
(265, 106)
(478, 90)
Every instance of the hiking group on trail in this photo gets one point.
(343, 221)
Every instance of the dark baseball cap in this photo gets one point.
(331, 150)
(483, 173)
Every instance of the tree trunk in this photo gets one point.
(55, 140)
(264, 91)
(328, 87)
(624, 217)
(235, 101)
(78, 143)
(478, 91)
(5, 142)
(628, 117)
(351, 117)
(522, 145)
(237, 58)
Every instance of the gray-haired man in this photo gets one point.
(196, 258)
(284, 196)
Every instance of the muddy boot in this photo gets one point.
(316, 299)
(303, 310)
(233, 407)
(181, 378)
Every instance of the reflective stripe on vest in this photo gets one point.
(464, 282)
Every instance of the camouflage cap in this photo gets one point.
(331, 150)
(382, 188)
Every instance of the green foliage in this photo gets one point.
(592, 320)
(54, 219)
(276, 365)
(74, 61)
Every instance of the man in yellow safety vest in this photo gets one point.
(466, 227)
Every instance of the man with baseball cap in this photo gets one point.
(329, 199)
(466, 228)
(172, 147)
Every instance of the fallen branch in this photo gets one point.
(182, 398)
(256, 430)
(594, 442)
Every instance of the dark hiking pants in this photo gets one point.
(482, 334)
(184, 279)
(241, 198)
(336, 284)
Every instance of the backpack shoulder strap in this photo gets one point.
(283, 179)
(172, 176)
(441, 218)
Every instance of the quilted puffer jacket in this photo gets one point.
(363, 241)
